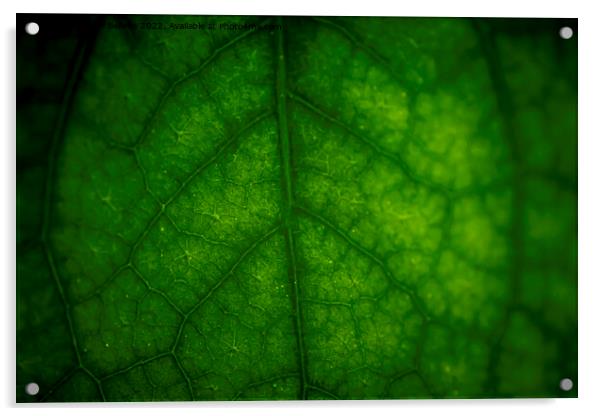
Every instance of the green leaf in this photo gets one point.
(351, 208)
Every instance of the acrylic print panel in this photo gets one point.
(291, 208)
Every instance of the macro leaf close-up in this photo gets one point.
(291, 208)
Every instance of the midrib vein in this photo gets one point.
(288, 203)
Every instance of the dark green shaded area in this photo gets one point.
(334, 208)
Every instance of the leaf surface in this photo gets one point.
(353, 208)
